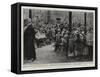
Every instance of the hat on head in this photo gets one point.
(58, 18)
(27, 21)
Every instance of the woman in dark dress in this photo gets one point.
(29, 47)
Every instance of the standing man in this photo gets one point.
(89, 38)
(29, 37)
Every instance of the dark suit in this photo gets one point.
(29, 48)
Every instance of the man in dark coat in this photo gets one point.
(29, 37)
(79, 45)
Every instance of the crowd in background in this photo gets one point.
(69, 32)
(73, 40)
